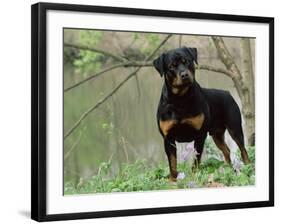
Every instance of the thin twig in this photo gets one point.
(73, 146)
(138, 88)
(86, 113)
(214, 69)
(93, 76)
(125, 148)
(160, 45)
(180, 40)
(142, 64)
(82, 47)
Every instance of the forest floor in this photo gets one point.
(139, 176)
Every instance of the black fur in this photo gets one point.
(184, 98)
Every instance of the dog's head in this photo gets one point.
(178, 68)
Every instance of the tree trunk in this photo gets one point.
(249, 80)
(243, 86)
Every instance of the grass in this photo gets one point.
(140, 177)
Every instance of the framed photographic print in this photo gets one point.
(140, 111)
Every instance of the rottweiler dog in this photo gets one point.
(187, 112)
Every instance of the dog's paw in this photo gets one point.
(172, 181)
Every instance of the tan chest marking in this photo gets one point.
(196, 122)
(167, 125)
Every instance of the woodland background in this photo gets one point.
(111, 93)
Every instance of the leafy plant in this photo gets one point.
(152, 40)
(88, 61)
(139, 176)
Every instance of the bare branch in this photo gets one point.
(67, 154)
(226, 57)
(138, 87)
(229, 63)
(180, 40)
(82, 47)
(143, 64)
(93, 76)
(160, 45)
(85, 114)
(214, 69)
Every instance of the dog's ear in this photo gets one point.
(191, 51)
(159, 64)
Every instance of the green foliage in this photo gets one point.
(88, 61)
(136, 36)
(211, 150)
(211, 165)
(107, 127)
(251, 153)
(153, 40)
(140, 177)
(69, 55)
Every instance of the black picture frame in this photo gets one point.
(39, 108)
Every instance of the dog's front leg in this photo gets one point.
(171, 151)
(199, 146)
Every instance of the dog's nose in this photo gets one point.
(184, 75)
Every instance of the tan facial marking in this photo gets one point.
(166, 126)
(196, 122)
(177, 81)
(179, 90)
